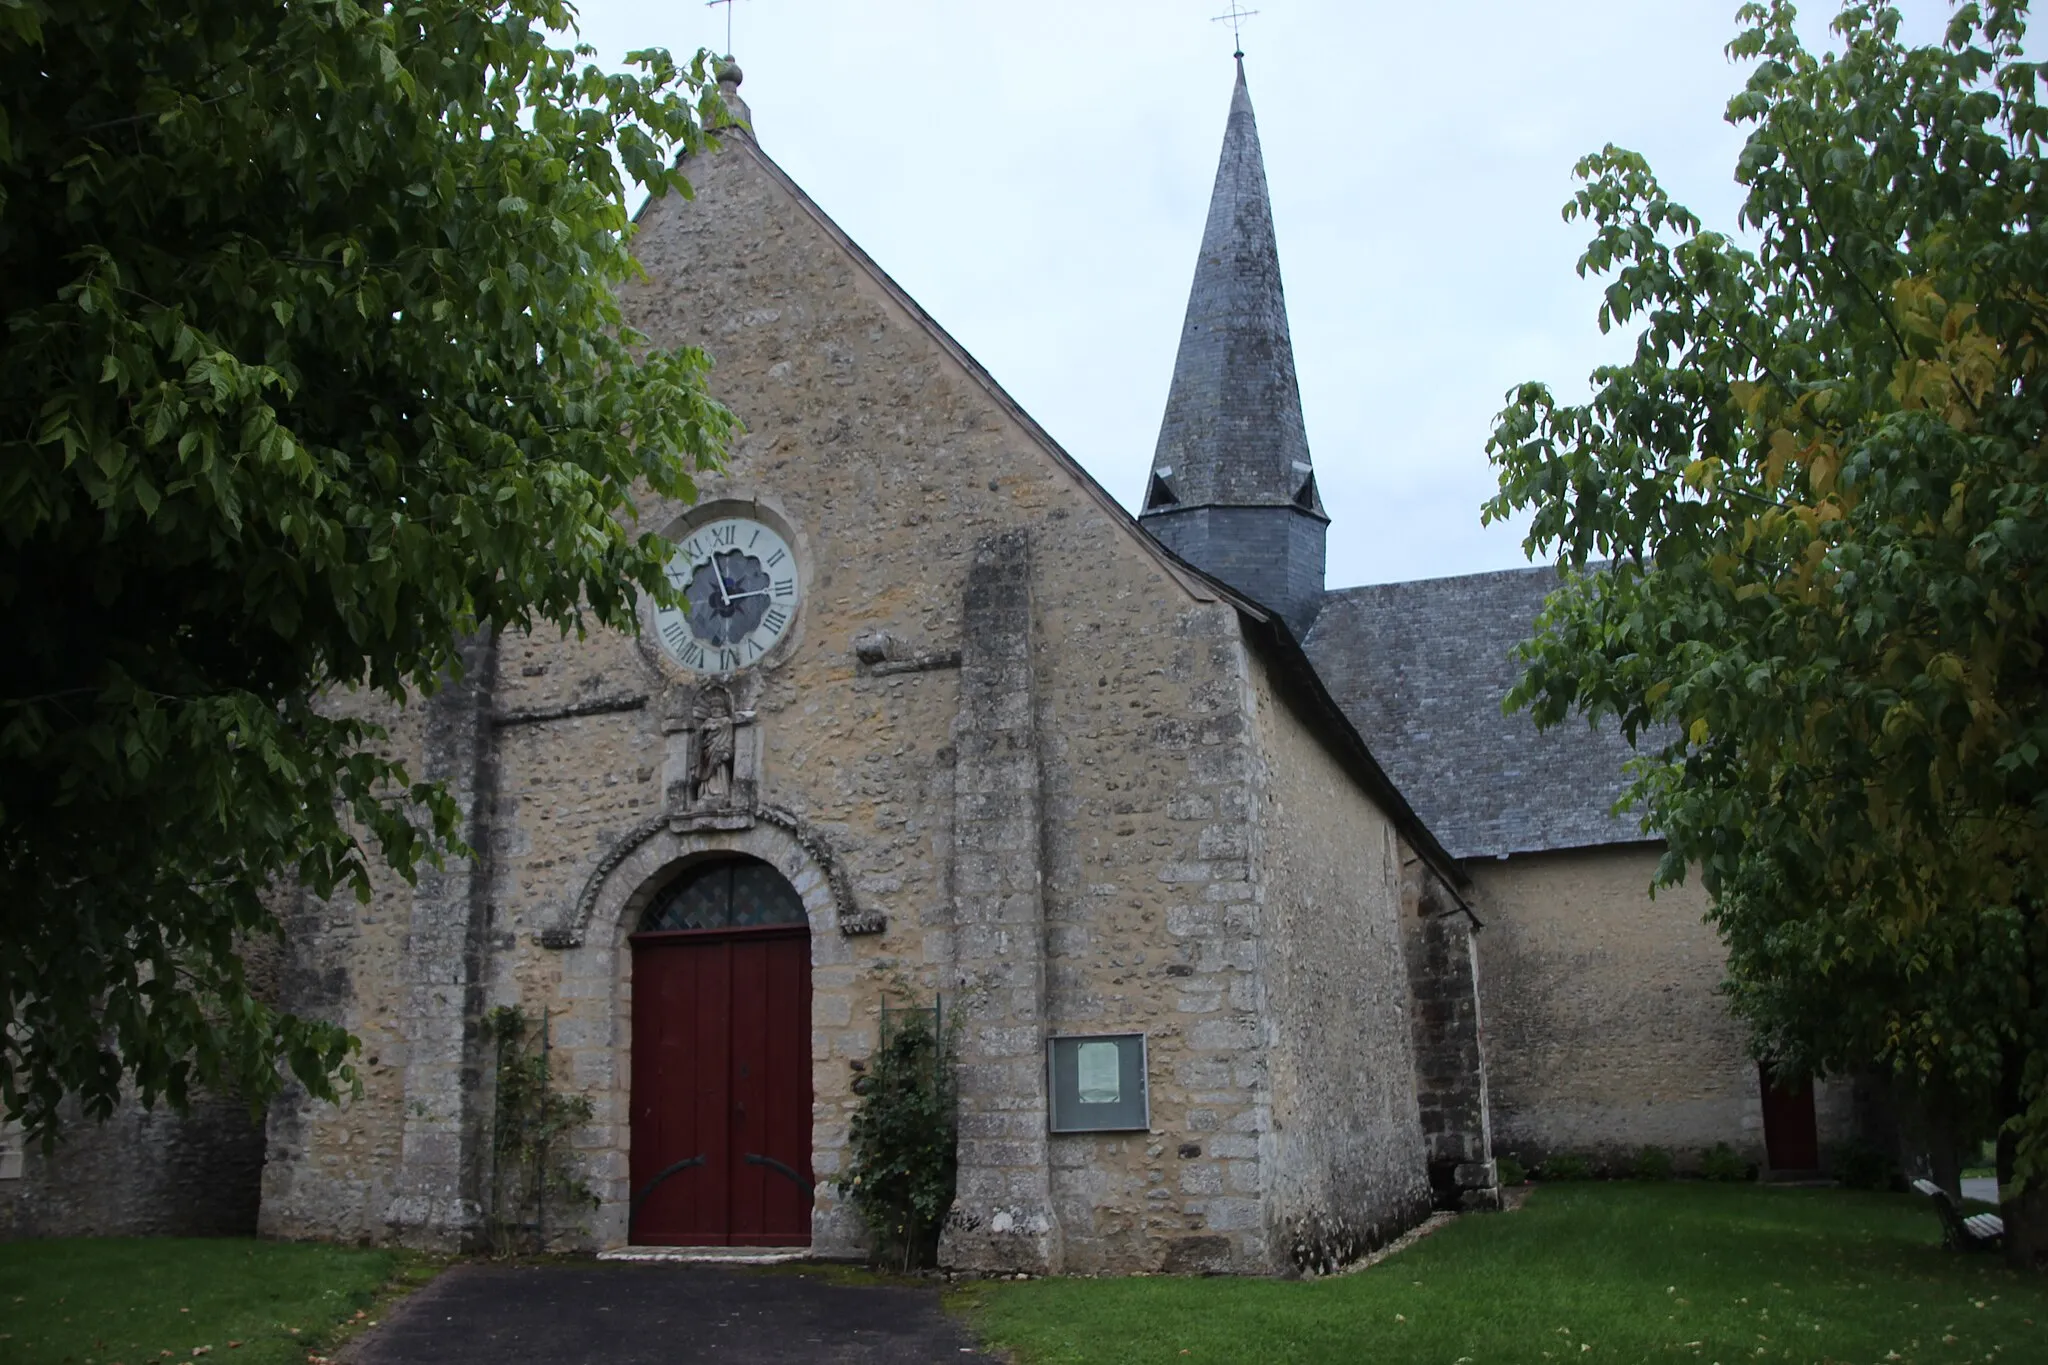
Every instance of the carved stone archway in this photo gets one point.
(595, 960)
(636, 864)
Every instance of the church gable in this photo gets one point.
(829, 361)
(997, 658)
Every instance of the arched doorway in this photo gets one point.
(721, 1098)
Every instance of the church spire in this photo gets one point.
(1231, 489)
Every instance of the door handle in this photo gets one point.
(756, 1159)
(633, 1209)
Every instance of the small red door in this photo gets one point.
(722, 1088)
(1791, 1135)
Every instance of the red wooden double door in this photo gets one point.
(1791, 1132)
(722, 1088)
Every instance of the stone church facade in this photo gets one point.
(943, 721)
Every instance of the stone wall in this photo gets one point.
(140, 1174)
(1604, 1030)
(1152, 931)
(332, 1170)
(1345, 1149)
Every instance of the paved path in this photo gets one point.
(603, 1314)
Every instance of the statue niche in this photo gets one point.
(714, 760)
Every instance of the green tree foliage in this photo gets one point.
(904, 1138)
(311, 366)
(1822, 488)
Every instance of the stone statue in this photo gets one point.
(713, 780)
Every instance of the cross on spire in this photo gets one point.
(1236, 14)
(714, 4)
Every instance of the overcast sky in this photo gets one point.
(1036, 175)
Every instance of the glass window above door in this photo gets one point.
(729, 893)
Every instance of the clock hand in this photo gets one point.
(718, 577)
(761, 592)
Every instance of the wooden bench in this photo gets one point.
(1977, 1232)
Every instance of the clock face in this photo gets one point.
(740, 588)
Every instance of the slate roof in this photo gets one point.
(1232, 435)
(1420, 669)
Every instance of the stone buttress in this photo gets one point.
(1003, 1217)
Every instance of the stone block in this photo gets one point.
(1231, 1214)
(1226, 842)
(1001, 1152)
(1223, 1035)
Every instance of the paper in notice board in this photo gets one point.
(1101, 1079)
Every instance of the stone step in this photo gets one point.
(709, 1255)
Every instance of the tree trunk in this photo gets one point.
(2025, 1213)
(1930, 1138)
(1944, 1153)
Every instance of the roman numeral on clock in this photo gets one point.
(724, 535)
(728, 658)
(775, 618)
(772, 560)
(785, 587)
(678, 638)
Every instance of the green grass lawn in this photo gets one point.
(93, 1301)
(1595, 1272)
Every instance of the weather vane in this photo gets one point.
(714, 4)
(1236, 15)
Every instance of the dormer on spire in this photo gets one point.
(1232, 489)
